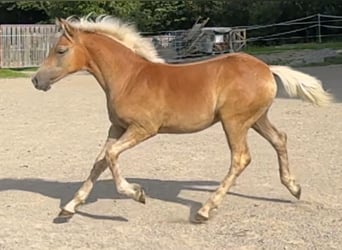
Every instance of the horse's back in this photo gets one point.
(197, 94)
(230, 79)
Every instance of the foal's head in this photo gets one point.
(67, 56)
(70, 55)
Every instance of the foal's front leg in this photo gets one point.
(130, 138)
(100, 165)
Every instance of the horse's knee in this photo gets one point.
(111, 154)
(241, 161)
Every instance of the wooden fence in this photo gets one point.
(25, 45)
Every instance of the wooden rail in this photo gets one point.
(25, 45)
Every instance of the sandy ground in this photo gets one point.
(48, 142)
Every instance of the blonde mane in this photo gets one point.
(124, 33)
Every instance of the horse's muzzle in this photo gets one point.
(39, 85)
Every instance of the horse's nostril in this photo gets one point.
(34, 81)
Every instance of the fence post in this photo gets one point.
(319, 28)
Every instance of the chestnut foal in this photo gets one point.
(146, 96)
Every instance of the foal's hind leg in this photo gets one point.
(99, 166)
(240, 158)
(278, 140)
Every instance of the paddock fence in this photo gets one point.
(25, 45)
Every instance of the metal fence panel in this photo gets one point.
(186, 45)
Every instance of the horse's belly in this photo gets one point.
(187, 124)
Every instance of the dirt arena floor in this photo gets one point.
(48, 142)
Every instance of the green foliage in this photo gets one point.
(257, 50)
(155, 15)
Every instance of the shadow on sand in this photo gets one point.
(165, 190)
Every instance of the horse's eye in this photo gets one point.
(62, 50)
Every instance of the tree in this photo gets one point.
(157, 15)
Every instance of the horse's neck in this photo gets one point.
(109, 61)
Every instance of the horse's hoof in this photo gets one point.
(60, 220)
(139, 194)
(298, 192)
(63, 217)
(65, 214)
(200, 218)
(142, 197)
(295, 190)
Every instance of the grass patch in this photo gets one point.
(255, 50)
(27, 69)
(327, 61)
(334, 60)
(10, 73)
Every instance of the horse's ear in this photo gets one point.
(58, 22)
(66, 28)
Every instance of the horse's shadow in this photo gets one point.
(166, 190)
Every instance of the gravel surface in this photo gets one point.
(48, 142)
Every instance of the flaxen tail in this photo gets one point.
(304, 86)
